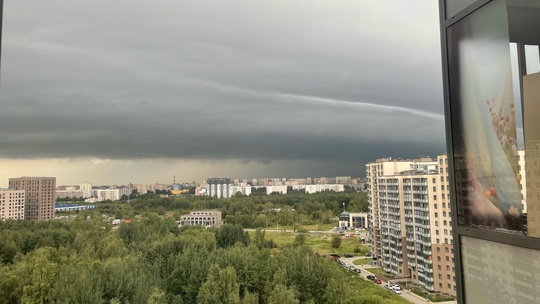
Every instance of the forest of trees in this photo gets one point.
(86, 260)
(248, 211)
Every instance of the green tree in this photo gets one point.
(228, 235)
(300, 239)
(157, 297)
(220, 287)
(336, 241)
(282, 295)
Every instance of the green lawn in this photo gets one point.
(321, 243)
(361, 261)
(380, 272)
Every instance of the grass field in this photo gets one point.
(321, 243)
(381, 272)
(361, 261)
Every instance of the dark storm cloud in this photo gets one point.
(248, 80)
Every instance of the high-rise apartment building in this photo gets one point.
(219, 187)
(410, 232)
(86, 188)
(40, 196)
(12, 204)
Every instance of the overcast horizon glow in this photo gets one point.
(114, 92)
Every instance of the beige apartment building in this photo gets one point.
(410, 226)
(12, 204)
(40, 195)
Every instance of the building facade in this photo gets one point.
(40, 194)
(410, 226)
(202, 218)
(12, 204)
(351, 220)
(219, 187)
(86, 188)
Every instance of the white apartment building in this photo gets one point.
(12, 204)
(112, 194)
(276, 189)
(324, 187)
(86, 188)
(245, 190)
(410, 224)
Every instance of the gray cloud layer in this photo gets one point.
(247, 80)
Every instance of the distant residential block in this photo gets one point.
(12, 204)
(40, 195)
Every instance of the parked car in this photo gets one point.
(395, 287)
(377, 281)
(334, 256)
(348, 255)
(388, 286)
(397, 291)
(357, 270)
(370, 277)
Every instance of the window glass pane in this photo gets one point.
(484, 121)
(499, 273)
(455, 6)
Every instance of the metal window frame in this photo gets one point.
(458, 231)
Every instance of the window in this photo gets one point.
(438, 259)
(448, 260)
(434, 189)
(435, 206)
(439, 267)
(438, 249)
(434, 197)
(436, 214)
(445, 249)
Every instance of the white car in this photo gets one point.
(396, 287)
(397, 291)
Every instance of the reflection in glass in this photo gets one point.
(483, 117)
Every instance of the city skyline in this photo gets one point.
(150, 91)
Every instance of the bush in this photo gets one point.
(336, 241)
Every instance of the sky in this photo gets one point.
(117, 92)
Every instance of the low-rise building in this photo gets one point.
(202, 218)
(351, 220)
